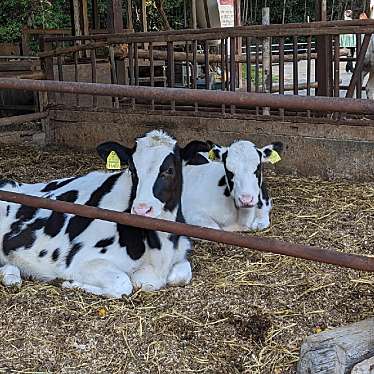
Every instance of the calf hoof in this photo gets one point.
(180, 274)
(120, 287)
(258, 225)
(147, 280)
(10, 276)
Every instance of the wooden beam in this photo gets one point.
(144, 16)
(115, 21)
(129, 15)
(76, 18)
(85, 26)
(193, 12)
(95, 15)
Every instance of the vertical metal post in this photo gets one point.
(170, 69)
(232, 69)
(93, 75)
(324, 56)
(194, 69)
(152, 71)
(295, 67)
(266, 58)
(336, 65)
(206, 63)
(281, 72)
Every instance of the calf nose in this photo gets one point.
(246, 200)
(143, 210)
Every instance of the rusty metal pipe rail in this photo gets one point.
(182, 95)
(261, 244)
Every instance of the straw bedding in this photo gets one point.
(244, 311)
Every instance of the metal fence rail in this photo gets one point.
(240, 99)
(225, 59)
(305, 252)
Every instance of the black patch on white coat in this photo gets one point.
(229, 174)
(56, 185)
(26, 213)
(17, 238)
(56, 220)
(7, 210)
(55, 254)
(168, 185)
(105, 242)
(174, 238)
(265, 193)
(73, 251)
(78, 224)
(43, 253)
(222, 182)
(5, 182)
(198, 160)
(190, 153)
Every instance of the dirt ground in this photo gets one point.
(243, 312)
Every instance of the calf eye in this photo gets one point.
(169, 172)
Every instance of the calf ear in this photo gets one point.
(216, 152)
(271, 152)
(191, 153)
(124, 153)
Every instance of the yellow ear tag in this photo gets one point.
(274, 157)
(113, 162)
(211, 155)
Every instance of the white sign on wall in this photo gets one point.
(226, 13)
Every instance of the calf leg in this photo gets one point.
(10, 275)
(262, 218)
(100, 277)
(180, 274)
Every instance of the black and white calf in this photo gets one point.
(98, 256)
(229, 194)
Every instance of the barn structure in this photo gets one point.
(262, 82)
(261, 66)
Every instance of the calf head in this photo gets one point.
(242, 162)
(155, 164)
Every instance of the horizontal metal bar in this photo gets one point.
(252, 242)
(297, 29)
(16, 120)
(182, 95)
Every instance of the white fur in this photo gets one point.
(204, 203)
(113, 273)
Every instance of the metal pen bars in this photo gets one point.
(212, 59)
(328, 256)
(203, 97)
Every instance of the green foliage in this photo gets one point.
(15, 14)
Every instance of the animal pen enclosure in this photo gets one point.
(219, 60)
(244, 311)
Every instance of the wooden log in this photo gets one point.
(338, 350)
(364, 367)
(16, 120)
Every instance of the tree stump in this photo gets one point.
(337, 351)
